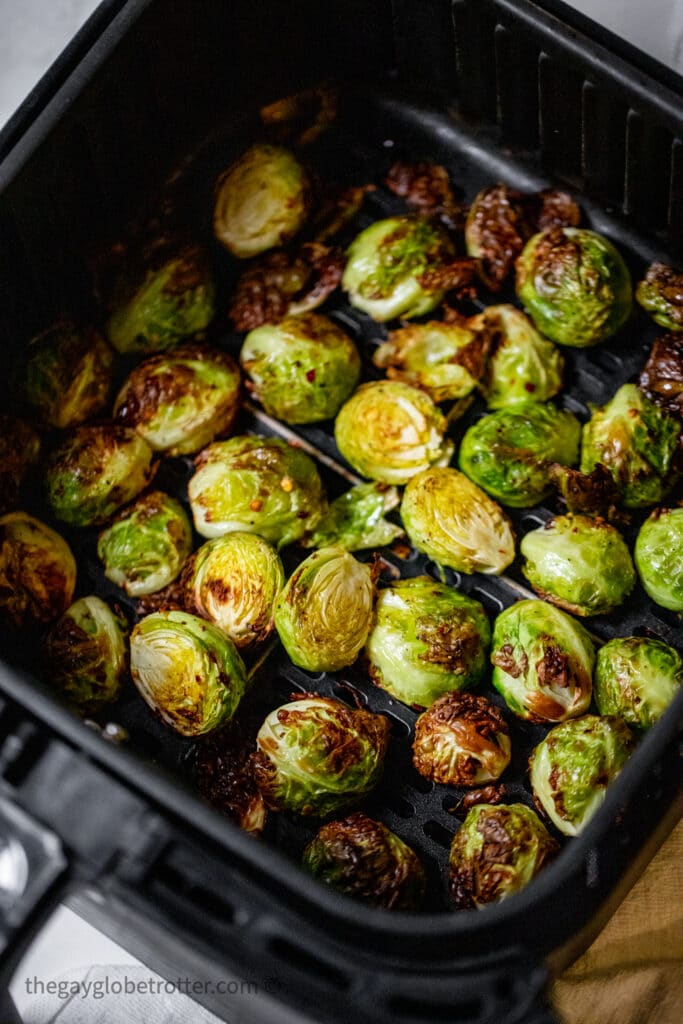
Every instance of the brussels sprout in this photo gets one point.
(524, 366)
(637, 443)
(579, 563)
(575, 286)
(355, 520)
(324, 613)
(316, 755)
(427, 187)
(445, 360)
(187, 670)
(19, 452)
(262, 201)
(362, 858)
(594, 493)
(543, 662)
(257, 485)
(496, 229)
(659, 557)
(86, 654)
(427, 639)
(398, 268)
(461, 740)
(389, 431)
(225, 779)
(69, 375)
(144, 548)
(661, 294)
(94, 471)
(637, 678)
(233, 581)
(662, 376)
(37, 571)
(302, 369)
(451, 520)
(496, 853)
(571, 768)
(509, 452)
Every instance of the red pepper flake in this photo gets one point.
(310, 376)
(256, 505)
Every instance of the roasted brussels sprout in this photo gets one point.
(451, 520)
(427, 188)
(19, 452)
(636, 678)
(445, 360)
(523, 366)
(257, 485)
(580, 563)
(37, 571)
(662, 376)
(94, 471)
(594, 493)
(262, 201)
(543, 662)
(496, 229)
(575, 286)
(69, 374)
(187, 670)
(389, 431)
(355, 520)
(302, 369)
(224, 775)
(427, 639)
(496, 853)
(461, 740)
(316, 755)
(661, 294)
(143, 550)
(572, 767)
(233, 581)
(324, 613)
(362, 858)
(509, 452)
(659, 557)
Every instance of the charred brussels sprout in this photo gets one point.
(37, 571)
(579, 563)
(662, 376)
(302, 369)
(636, 678)
(661, 294)
(659, 557)
(187, 670)
(572, 767)
(362, 858)
(19, 452)
(575, 286)
(69, 375)
(461, 740)
(543, 662)
(496, 229)
(316, 755)
(445, 360)
(523, 366)
(355, 520)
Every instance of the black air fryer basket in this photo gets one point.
(154, 92)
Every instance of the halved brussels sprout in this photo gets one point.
(580, 563)
(355, 520)
(594, 493)
(662, 376)
(37, 571)
(637, 678)
(427, 639)
(324, 613)
(497, 851)
(316, 755)
(69, 373)
(181, 401)
(572, 767)
(262, 201)
(445, 360)
(543, 662)
(461, 740)
(661, 294)
(509, 452)
(389, 431)
(187, 670)
(364, 859)
(224, 775)
(145, 547)
(523, 365)
(451, 520)
(257, 485)
(496, 229)
(233, 581)
(659, 557)
(19, 452)
(302, 369)
(575, 286)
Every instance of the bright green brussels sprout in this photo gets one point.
(69, 375)
(181, 401)
(144, 549)
(543, 662)
(324, 613)
(637, 678)
(572, 767)
(302, 369)
(19, 452)
(661, 294)
(233, 581)
(355, 520)
(257, 485)
(389, 431)
(427, 639)
(86, 654)
(364, 859)
(580, 563)
(496, 852)
(451, 520)
(509, 452)
(575, 286)
(461, 740)
(659, 557)
(37, 571)
(187, 670)
(316, 755)
(445, 360)
(396, 268)
(523, 366)
(637, 442)
(94, 471)
(262, 201)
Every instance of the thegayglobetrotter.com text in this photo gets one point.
(120, 985)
